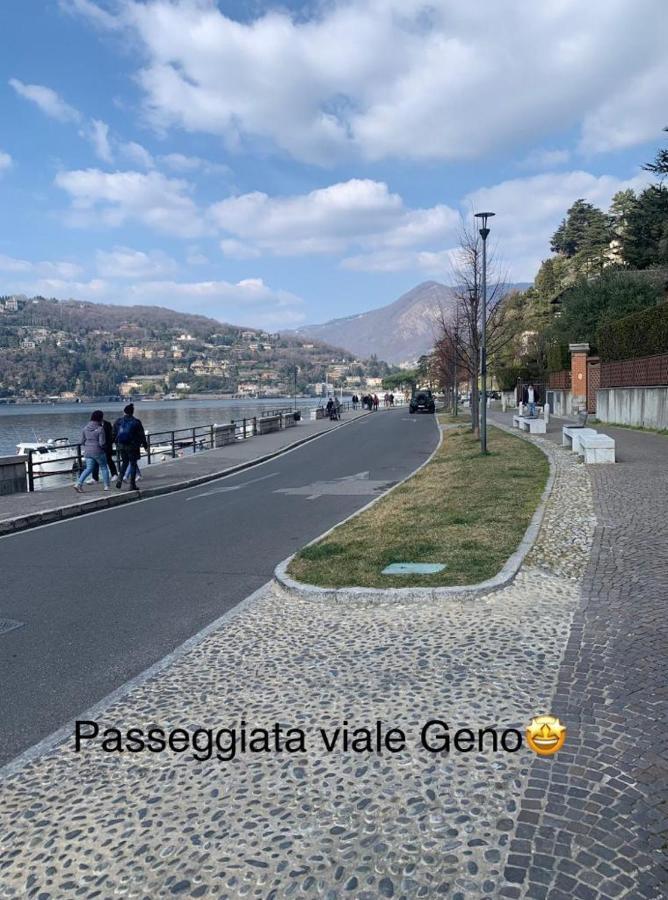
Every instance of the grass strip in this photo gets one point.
(463, 509)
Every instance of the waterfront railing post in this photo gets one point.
(80, 465)
(212, 437)
(194, 440)
(173, 447)
(148, 449)
(31, 474)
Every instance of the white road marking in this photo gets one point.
(349, 485)
(234, 487)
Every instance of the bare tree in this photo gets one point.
(459, 330)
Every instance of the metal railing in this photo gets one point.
(37, 459)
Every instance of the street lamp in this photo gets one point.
(484, 232)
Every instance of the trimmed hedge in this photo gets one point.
(643, 333)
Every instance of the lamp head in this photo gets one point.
(483, 216)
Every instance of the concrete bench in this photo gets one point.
(532, 424)
(571, 434)
(597, 448)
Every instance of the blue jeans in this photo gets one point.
(532, 409)
(101, 460)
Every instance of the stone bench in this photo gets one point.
(532, 424)
(571, 434)
(597, 448)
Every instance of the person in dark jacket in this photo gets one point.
(130, 438)
(93, 449)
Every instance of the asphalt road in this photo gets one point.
(106, 595)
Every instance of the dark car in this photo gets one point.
(422, 403)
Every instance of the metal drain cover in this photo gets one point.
(413, 569)
(9, 625)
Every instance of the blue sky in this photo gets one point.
(274, 165)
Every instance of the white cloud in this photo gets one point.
(115, 198)
(545, 159)
(529, 210)
(10, 264)
(401, 78)
(47, 100)
(91, 11)
(234, 249)
(122, 262)
(635, 112)
(179, 162)
(195, 257)
(430, 262)
(45, 268)
(6, 161)
(327, 220)
(98, 134)
(137, 154)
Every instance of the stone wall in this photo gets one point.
(13, 475)
(646, 406)
(560, 402)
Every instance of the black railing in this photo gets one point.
(39, 458)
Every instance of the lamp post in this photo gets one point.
(484, 232)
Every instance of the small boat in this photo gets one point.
(52, 455)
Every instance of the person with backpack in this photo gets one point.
(130, 438)
(93, 449)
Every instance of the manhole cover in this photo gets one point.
(413, 569)
(9, 625)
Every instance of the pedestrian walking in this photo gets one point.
(108, 452)
(93, 449)
(130, 438)
(376, 402)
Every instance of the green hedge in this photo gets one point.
(643, 333)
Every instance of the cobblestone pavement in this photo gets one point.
(314, 823)
(594, 821)
(408, 824)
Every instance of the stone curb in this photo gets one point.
(61, 513)
(291, 588)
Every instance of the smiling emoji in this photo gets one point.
(546, 735)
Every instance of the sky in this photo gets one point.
(274, 165)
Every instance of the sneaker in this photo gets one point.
(106, 487)
(78, 488)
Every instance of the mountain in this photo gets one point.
(397, 333)
(53, 348)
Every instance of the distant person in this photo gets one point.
(391, 399)
(337, 407)
(376, 402)
(330, 408)
(356, 400)
(93, 449)
(130, 438)
(530, 397)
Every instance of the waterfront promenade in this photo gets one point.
(580, 632)
(19, 511)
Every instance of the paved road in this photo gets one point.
(106, 595)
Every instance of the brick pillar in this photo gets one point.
(579, 354)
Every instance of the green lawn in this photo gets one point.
(463, 509)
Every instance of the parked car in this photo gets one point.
(422, 402)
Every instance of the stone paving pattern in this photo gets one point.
(411, 824)
(579, 632)
(594, 821)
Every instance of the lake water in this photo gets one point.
(39, 421)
